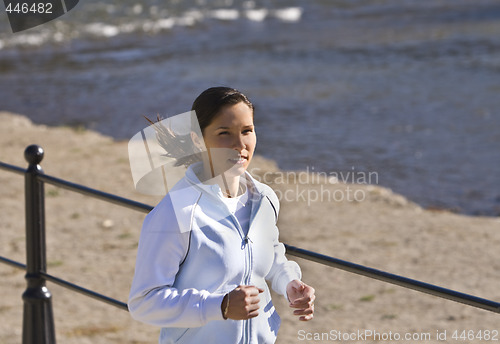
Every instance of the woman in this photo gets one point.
(207, 249)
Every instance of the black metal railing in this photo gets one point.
(38, 320)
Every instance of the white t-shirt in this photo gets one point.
(240, 207)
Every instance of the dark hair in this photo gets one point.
(206, 107)
(211, 101)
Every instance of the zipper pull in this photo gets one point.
(245, 241)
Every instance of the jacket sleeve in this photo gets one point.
(283, 271)
(163, 246)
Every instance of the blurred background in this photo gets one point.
(408, 89)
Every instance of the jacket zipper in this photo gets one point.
(248, 254)
(246, 280)
(253, 212)
(248, 257)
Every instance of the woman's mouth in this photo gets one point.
(238, 160)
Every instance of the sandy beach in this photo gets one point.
(93, 243)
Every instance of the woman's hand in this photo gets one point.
(243, 302)
(301, 296)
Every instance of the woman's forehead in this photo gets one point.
(234, 115)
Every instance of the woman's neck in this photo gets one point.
(230, 185)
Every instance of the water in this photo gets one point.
(407, 89)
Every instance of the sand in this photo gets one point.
(93, 243)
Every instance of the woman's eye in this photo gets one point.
(247, 131)
(224, 133)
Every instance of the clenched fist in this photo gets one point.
(243, 303)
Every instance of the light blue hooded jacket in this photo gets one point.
(192, 251)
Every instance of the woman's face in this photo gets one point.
(230, 140)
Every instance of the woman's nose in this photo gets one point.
(239, 143)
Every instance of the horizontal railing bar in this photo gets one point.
(291, 250)
(12, 168)
(69, 285)
(84, 291)
(95, 193)
(83, 189)
(12, 263)
(395, 279)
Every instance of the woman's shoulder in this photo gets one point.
(173, 212)
(266, 191)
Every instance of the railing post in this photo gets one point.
(38, 319)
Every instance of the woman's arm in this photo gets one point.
(285, 276)
(283, 270)
(153, 300)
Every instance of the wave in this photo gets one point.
(138, 22)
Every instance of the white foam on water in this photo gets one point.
(160, 21)
(31, 39)
(193, 14)
(130, 27)
(137, 9)
(102, 30)
(158, 25)
(58, 37)
(289, 14)
(224, 14)
(257, 15)
(185, 20)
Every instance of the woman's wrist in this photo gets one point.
(225, 306)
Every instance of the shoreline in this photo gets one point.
(371, 67)
(93, 244)
(312, 176)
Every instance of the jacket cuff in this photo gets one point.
(293, 273)
(212, 307)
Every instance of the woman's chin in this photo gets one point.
(236, 170)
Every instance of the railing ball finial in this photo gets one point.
(33, 154)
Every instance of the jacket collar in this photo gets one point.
(212, 187)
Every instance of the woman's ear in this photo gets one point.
(198, 141)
